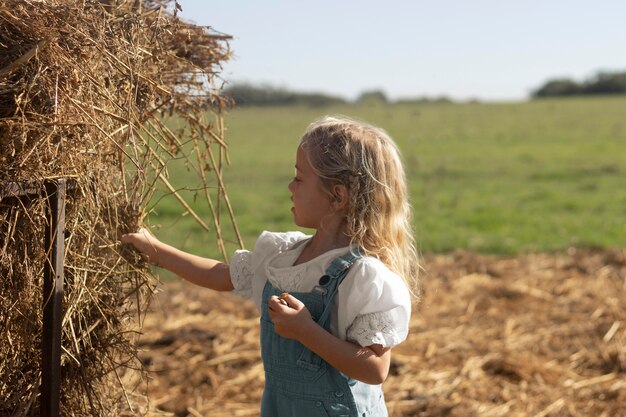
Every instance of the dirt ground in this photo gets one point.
(537, 335)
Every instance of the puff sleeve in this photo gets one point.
(375, 305)
(247, 268)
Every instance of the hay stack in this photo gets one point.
(83, 88)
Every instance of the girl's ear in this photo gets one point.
(340, 197)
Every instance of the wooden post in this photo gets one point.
(53, 300)
(54, 239)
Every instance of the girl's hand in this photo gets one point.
(290, 316)
(144, 242)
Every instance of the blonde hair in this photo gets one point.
(367, 162)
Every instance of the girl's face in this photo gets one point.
(310, 203)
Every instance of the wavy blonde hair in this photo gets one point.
(367, 162)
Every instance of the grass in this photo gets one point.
(495, 178)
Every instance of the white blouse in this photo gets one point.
(372, 305)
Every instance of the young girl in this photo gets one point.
(333, 304)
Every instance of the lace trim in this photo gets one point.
(241, 273)
(270, 242)
(375, 328)
(286, 279)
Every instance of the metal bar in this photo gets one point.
(20, 189)
(31, 189)
(53, 300)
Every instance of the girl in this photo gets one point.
(333, 304)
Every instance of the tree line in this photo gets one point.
(245, 94)
(601, 83)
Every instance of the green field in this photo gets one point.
(495, 178)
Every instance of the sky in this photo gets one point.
(464, 50)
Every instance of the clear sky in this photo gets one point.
(463, 49)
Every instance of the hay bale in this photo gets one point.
(84, 86)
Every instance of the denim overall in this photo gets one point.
(298, 383)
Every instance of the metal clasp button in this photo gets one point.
(324, 280)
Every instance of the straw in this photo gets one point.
(87, 90)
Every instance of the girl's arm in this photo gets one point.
(205, 272)
(368, 364)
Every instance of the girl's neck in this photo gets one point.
(321, 243)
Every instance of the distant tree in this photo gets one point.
(245, 94)
(425, 100)
(558, 87)
(318, 99)
(602, 83)
(248, 94)
(377, 96)
(606, 83)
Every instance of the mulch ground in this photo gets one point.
(537, 335)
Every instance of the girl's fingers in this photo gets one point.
(282, 299)
(144, 242)
(275, 303)
(291, 301)
(126, 238)
(142, 234)
(285, 300)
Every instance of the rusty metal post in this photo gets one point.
(53, 300)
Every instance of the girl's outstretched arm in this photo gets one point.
(201, 271)
(292, 320)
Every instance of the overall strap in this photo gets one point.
(335, 273)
